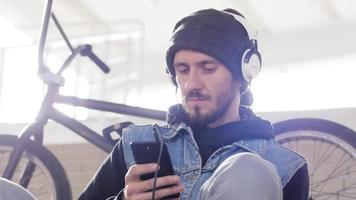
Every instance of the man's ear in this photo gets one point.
(238, 85)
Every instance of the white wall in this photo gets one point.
(56, 134)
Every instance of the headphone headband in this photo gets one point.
(251, 32)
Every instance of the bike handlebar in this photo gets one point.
(87, 51)
(42, 68)
(84, 50)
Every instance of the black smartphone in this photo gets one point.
(148, 152)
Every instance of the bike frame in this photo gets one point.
(47, 111)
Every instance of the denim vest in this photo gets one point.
(186, 159)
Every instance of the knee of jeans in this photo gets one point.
(247, 159)
(250, 164)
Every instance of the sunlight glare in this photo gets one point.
(12, 36)
(21, 90)
(74, 86)
(324, 84)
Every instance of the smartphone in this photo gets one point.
(148, 152)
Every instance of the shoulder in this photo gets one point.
(137, 129)
(142, 132)
(286, 154)
(287, 162)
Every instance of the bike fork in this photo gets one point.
(27, 174)
(17, 152)
(10, 168)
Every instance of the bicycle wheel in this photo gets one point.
(48, 181)
(329, 149)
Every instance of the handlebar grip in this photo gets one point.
(85, 50)
(99, 63)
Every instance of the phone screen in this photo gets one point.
(148, 152)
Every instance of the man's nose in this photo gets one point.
(193, 82)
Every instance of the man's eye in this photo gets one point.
(182, 69)
(209, 69)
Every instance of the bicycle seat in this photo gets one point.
(114, 132)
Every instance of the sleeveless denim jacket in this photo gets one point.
(186, 159)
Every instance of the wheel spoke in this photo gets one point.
(332, 168)
(47, 173)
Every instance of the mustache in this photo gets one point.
(196, 94)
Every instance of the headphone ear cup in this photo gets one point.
(250, 64)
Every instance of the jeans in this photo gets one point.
(13, 191)
(243, 176)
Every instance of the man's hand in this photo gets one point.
(137, 189)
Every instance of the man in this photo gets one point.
(218, 147)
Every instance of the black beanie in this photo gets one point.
(212, 32)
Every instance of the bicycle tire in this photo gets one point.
(329, 149)
(49, 180)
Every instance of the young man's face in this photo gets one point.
(209, 93)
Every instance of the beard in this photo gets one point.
(196, 117)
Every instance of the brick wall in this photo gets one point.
(80, 162)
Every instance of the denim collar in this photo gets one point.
(257, 146)
(175, 129)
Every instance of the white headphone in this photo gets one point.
(251, 58)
